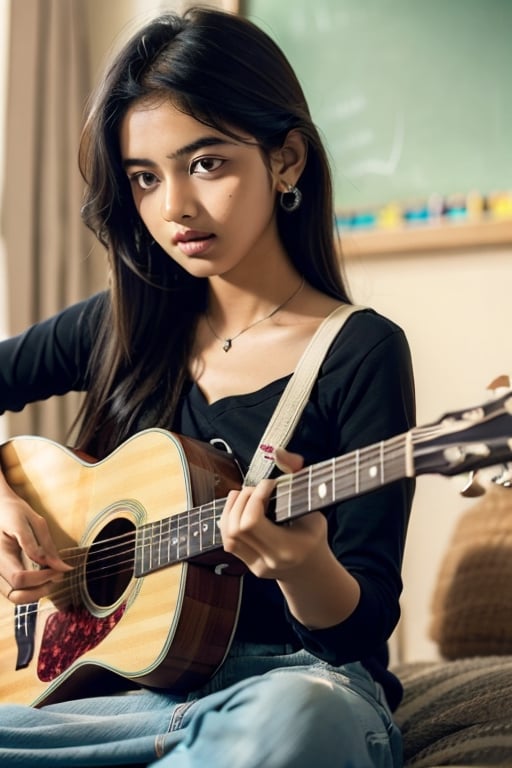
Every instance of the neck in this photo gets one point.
(232, 306)
(227, 341)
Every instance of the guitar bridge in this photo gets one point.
(24, 631)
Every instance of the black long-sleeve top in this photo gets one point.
(364, 394)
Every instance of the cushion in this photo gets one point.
(472, 597)
(456, 712)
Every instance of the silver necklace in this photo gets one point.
(228, 343)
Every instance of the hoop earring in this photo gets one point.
(291, 199)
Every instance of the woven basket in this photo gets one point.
(472, 598)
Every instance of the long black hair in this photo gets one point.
(224, 71)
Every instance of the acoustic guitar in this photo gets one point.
(153, 599)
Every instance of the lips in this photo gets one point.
(191, 235)
(193, 242)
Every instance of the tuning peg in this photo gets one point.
(472, 487)
(499, 382)
(505, 478)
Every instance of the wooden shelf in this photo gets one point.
(434, 237)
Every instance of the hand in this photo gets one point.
(25, 533)
(270, 550)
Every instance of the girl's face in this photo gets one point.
(207, 199)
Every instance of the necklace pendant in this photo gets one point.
(227, 345)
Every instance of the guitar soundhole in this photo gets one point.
(110, 562)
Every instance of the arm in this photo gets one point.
(24, 534)
(50, 358)
(319, 592)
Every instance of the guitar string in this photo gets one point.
(302, 479)
(67, 589)
(299, 480)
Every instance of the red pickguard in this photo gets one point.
(68, 635)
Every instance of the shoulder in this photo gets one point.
(364, 332)
(82, 318)
(368, 320)
(369, 363)
(90, 309)
(72, 331)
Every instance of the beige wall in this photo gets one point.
(455, 309)
(109, 23)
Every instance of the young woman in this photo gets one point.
(208, 185)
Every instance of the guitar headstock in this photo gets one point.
(475, 485)
(466, 440)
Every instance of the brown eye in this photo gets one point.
(204, 165)
(144, 179)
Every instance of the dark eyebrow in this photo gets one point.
(188, 149)
(195, 146)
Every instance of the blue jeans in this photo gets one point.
(267, 707)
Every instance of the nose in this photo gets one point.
(176, 201)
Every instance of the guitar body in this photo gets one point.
(104, 626)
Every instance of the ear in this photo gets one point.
(288, 162)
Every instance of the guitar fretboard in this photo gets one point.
(195, 531)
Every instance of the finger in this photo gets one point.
(252, 504)
(32, 536)
(46, 550)
(244, 523)
(6, 587)
(33, 595)
(287, 461)
(234, 507)
(35, 579)
(230, 502)
(26, 586)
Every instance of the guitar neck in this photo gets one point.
(461, 441)
(342, 478)
(194, 532)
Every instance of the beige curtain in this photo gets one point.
(49, 258)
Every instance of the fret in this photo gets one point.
(215, 523)
(371, 470)
(345, 476)
(174, 537)
(163, 549)
(168, 540)
(284, 499)
(202, 527)
(183, 536)
(155, 550)
(142, 550)
(369, 473)
(172, 542)
(148, 548)
(325, 488)
(195, 534)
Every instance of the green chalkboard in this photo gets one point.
(413, 97)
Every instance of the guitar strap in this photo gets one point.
(295, 396)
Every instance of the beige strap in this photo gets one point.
(295, 396)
